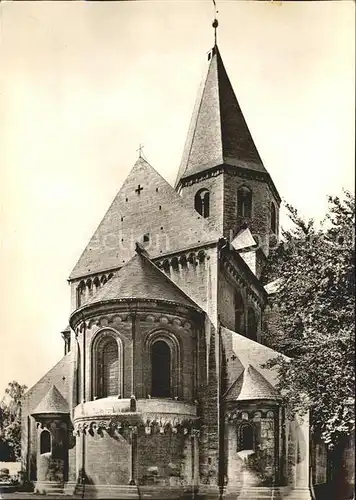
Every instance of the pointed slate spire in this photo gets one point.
(218, 131)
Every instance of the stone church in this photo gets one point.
(162, 390)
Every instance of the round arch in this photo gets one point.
(106, 361)
(164, 336)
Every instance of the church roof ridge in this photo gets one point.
(146, 205)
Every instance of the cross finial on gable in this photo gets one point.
(139, 150)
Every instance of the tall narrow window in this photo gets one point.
(45, 442)
(246, 437)
(239, 314)
(251, 324)
(202, 202)
(244, 202)
(273, 219)
(108, 367)
(161, 370)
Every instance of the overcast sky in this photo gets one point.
(82, 84)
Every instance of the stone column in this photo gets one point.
(302, 447)
(133, 455)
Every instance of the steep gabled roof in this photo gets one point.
(218, 131)
(145, 204)
(140, 278)
(52, 404)
(251, 385)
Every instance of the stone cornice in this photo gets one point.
(105, 313)
(241, 169)
(125, 309)
(151, 423)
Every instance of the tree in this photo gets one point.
(313, 309)
(10, 421)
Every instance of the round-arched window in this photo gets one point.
(161, 370)
(202, 202)
(45, 442)
(244, 202)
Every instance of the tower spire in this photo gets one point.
(215, 23)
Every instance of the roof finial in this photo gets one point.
(139, 150)
(215, 23)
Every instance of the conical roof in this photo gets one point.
(140, 278)
(251, 385)
(145, 205)
(53, 403)
(218, 131)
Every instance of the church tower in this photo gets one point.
(221, 172)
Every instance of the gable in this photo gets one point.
(145, 205)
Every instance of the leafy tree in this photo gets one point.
(10, 421)
(312, 317)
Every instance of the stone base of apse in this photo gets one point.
(134, 492)
(267, 493)
(49, 488)
(297, 494)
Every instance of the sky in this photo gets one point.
(83, 84)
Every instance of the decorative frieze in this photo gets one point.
(108, 320)
(149, 424)
(238, 414)
(182, 261)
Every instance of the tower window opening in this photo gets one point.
(161, 370)
(273, 219)
(239, 314)
(244, 202)
(202, 202)
(45, 442)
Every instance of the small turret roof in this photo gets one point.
(251, 385)
(53, 403)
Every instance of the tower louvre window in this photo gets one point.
(273, 219)
(202, 202)
(244, 202)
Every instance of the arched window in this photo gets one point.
(45, 442)
(244, 202)
(246, 441)
(106, 365)
(239, 314)
(202, 202)
(273, 219)
(251, 324)
(161, 370)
